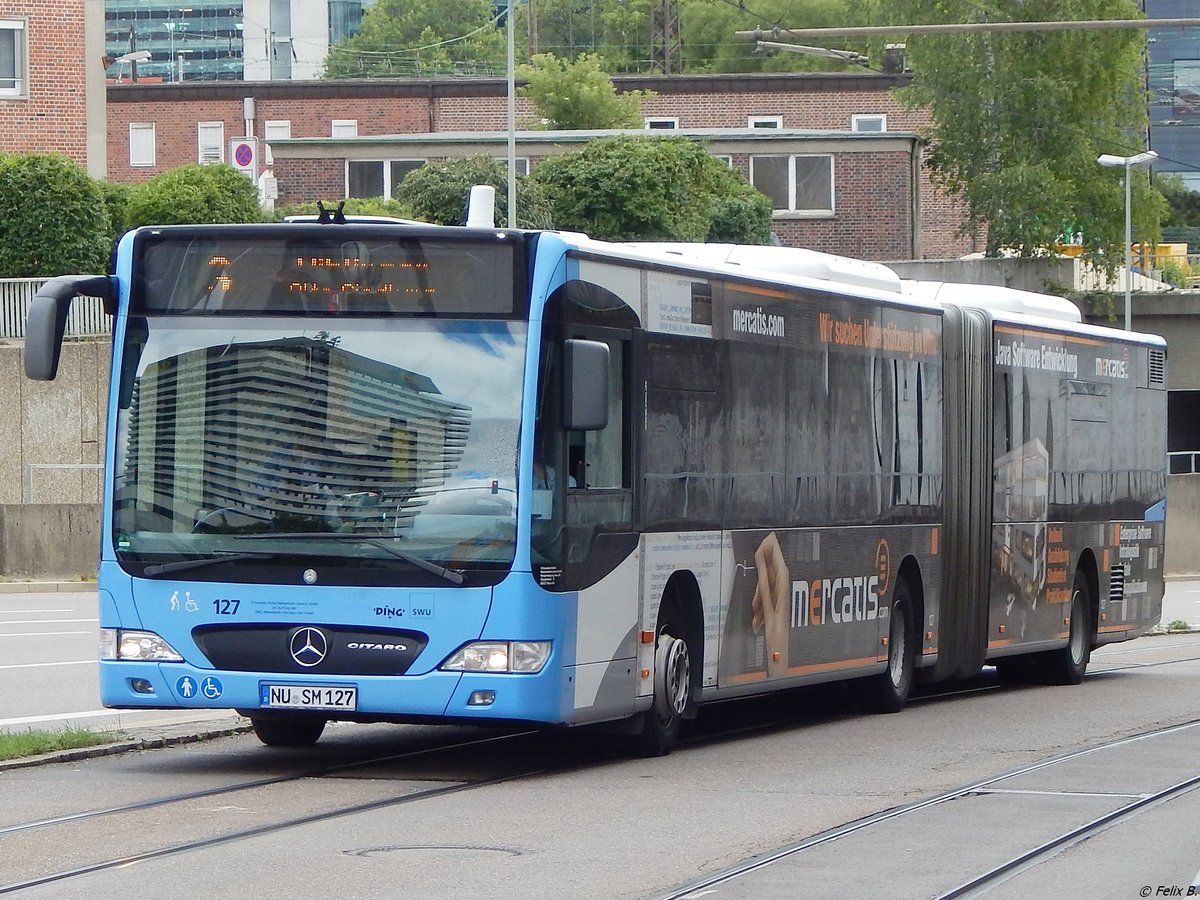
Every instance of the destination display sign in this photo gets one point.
(336, 270)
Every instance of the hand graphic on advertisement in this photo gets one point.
(771, 606)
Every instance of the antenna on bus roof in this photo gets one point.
(481, 206)
(325, 216)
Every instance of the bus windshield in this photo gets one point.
(344, 439)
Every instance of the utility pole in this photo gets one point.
(533, 32)
(666, 48)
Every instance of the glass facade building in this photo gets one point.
(1173, 80)
(233, 40)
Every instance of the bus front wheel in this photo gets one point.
(672, 693)
(287, 732)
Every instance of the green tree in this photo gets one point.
(1183, 201)
(709, 26)
(437, 192)
(421, 37)
(651, 188)
(1019, 119)
(578, 95)
(619, 32)
(57, 223)
(193, 195)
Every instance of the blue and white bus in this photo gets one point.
(394, 472)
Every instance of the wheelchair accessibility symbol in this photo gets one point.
(211, 688)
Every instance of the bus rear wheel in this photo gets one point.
(287, 732)
(672, 693)
(1068, 664)
(888, 691)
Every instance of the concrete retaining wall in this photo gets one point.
(49, 540)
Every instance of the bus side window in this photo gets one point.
(596, 459)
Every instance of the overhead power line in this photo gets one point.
(967, 28)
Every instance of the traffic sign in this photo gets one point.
(243, 155)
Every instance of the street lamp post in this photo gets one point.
(1127, 163)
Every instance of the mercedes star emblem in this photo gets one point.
(309, 646)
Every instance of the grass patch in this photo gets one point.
(35, 743)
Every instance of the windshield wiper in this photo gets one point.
(182, 565)
(451, 575)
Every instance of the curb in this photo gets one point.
(135, 739)
(46, 587)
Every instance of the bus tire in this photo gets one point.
(672, 692)
(888, 691)
(277, 731)
(1068, 664)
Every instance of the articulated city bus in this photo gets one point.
(394, 472)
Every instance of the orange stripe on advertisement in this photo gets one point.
(933, 541)
(1062, 338)
(831, 666)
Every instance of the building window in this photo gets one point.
(343, 128)
(141, 143)
(798, 184)
(521, 161)
(868, 123)
(377, 177)
(1186, 88)
(12, 58)
(275, 130)
(662, 123)
(765, 121)
(211, 139)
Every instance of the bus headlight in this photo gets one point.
(499, 656)
(140, 646)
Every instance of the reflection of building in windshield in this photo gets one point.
(295, 434)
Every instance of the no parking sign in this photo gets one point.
(243, 156)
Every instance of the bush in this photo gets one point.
(194, 195)
(57, 223)
(438, 192)
(116, 199)
(362, 206)
(652, 188)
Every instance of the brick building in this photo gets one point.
(52, 79)
(841, 139)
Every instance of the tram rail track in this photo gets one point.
(705, 885)
(477, 748)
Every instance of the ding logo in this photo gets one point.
(308, 647)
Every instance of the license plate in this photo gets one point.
(308, 696)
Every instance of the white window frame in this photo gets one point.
(17, 86)
(662, 123)
(725, 158)
(857, 122)
(274, 130)
(143, 147)
(764, 121)
(792, 209)
(210, 142)
(343, 128)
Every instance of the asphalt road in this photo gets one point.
(48, 672)
(400, 811)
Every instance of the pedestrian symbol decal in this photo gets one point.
(186, 686)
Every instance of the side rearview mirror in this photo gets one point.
(585, 385)
(46, 321)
